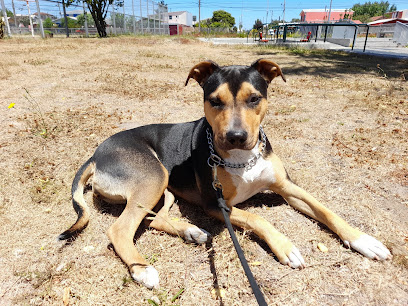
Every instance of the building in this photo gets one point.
(391, 15)
(75, 13)
(182, 18)
(389, 21)
(179, 22)
(43, 16)
(322, 16)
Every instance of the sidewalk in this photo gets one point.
(375, 46)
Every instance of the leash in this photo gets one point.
(225, 209)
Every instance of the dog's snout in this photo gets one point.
(237, 137)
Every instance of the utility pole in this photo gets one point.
(124, 18)
(148, 19)
(267, 11)
(86, 19)
(31, 21)
(199, 16)
(141, 16)
(39, 16)
(160, 25)
(330, 10)
(154, 19)
(65, 17)
(133, 17)
(284, 8)
(3, 8)
(14, 12)
(114, 18)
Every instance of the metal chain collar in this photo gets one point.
(215, 160)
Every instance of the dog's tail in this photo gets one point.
(78, 201)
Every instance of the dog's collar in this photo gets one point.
(215, 160)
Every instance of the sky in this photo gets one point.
(247, 11)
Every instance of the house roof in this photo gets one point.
(326, 10)
(176, 13)
(387, 21)
(74, 12)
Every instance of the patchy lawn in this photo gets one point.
(339, 123)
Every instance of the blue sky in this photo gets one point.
(249, 11)
(264, 10)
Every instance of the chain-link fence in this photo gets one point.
(124, 17)
(401, 34)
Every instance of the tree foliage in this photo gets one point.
(222, 19)
(25, 20)
(364, 12)
(71, 23)
(98, 10)
(258, 24)
(47, 23)
(89, 20)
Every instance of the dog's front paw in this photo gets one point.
(289, 255)
(370, 247)
(196, 235)
(294, 259)
(147, 276)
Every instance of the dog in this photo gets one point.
(141, 166)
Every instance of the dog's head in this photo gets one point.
(235, 100)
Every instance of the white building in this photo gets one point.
(179, 18)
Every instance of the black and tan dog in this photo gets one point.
(142, 165)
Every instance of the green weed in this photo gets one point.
(39, 121)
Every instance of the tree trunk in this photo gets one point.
(98, 11)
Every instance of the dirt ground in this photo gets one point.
(340, 124)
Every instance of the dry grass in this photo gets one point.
(338, 123)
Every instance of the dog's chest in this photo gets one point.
(249, 181)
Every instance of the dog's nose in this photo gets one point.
(237, 137)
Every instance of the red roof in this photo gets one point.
(387, 21)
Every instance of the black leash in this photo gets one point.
(224, 208)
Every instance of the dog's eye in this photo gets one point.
(215, 102)
(254, 100)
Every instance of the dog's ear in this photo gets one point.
(202, 71)
(268, 69)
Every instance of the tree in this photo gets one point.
(258, 24)
(71, 23)
(9, 13)
(47, 23)
(222, 19)
(89, 20)
(364, 12)
(295, 20)
(25, 20)
(98, 9)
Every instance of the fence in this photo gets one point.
(401, 34)
(343, 35)
(130, 17)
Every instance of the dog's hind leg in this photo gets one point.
(143, 197)
(163, 222)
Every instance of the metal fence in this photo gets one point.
(344, 35)
(130, 17)
(401, 34)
